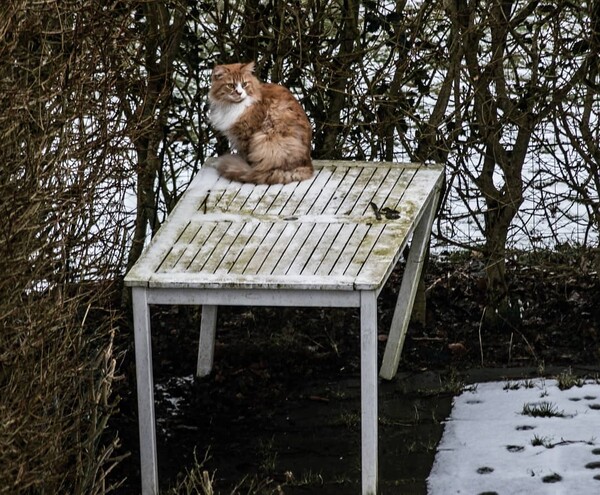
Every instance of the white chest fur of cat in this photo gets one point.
(224, 115)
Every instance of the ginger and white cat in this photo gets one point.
(264, 123)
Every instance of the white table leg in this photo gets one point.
(145, 391)
(206, 345)
(408, 290)
(368, 391)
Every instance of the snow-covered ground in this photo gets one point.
(521, 437)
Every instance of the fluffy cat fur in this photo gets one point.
(264, 123)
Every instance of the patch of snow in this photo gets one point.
(490, 446)
(171, 391)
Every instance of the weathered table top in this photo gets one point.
(344, 229)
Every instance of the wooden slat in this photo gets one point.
(282, 199)
(221, 249)
(268, 199)
(228, 282)
(240, 245)
(333, 254)
(240, 200)
(347, 205)
(194, 260)
(308, 249)
(319, 183)
(379, 195)
(364, 249)
(221, 200)
(181, 245)
(295, 199)
(349, 251)
(279, 247)
(369, 191)
(254, 242)
(294, 248)
(218, 198)
(419, 188)
(263, 251)
(394, 197)
(256, 198)
(322, 247)
(337, 184)
(382, 257)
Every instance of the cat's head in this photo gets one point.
(233, 83)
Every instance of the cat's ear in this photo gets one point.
(218, 72)
(249, 67)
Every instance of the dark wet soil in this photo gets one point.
(280, 413)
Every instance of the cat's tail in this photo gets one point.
(234, 167)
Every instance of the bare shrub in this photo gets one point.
(61, 242)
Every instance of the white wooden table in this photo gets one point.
(330, 241)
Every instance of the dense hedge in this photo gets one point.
(61, 243)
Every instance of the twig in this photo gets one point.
(480, 341)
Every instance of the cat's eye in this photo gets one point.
(245, 84)
(230, 86)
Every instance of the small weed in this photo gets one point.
(195, 480)
(257, 486)
(567, 380)
(414, 446)
(411, 446)
(538, 441)
(541, 368)
(268, 455)
(434, 419)
(389, 421)
(350, 419)
(517, 385)
(338, 394)
(308, 478)
(417, 414)
(341, 479)
(543, 409)
(198, 481)
(430, 445)
(454, 383)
